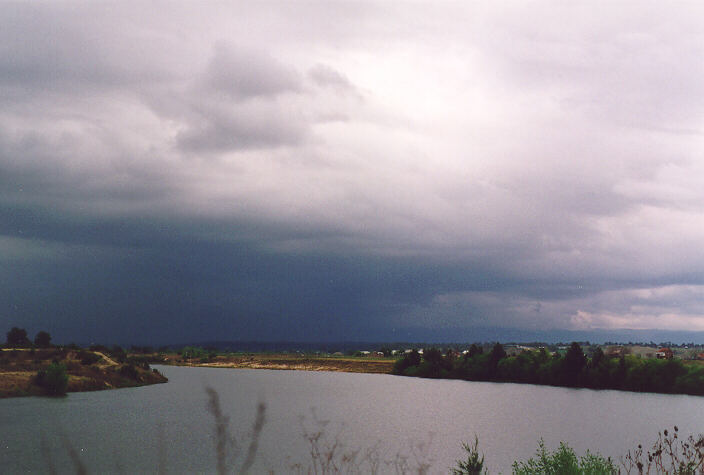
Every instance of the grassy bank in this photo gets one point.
(574, 369)
(85, 371)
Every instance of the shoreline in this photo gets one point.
(292, 363)
(19, 367)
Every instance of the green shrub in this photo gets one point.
(129, 371)
(53, 380)
(564, 461)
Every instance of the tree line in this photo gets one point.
(574, 369)
(17, 338)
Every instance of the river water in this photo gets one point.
(395, 421)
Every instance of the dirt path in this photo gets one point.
(108, 360)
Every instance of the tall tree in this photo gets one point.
(17, 337)
(42, 340)
(573, 364)
(497, 353)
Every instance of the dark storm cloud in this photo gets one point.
(345, 171)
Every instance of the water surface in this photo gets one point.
(138, 430)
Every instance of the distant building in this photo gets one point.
(664, 354)
(512, 350)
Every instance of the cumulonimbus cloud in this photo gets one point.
(548, 154)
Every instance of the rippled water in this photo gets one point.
(126, 430)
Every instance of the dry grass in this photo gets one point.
(293, 362)
(18, 368)
(669, 454)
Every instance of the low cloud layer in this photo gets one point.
(347, 171)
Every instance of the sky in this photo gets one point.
(354, 171)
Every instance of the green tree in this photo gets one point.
(42, 340)
(434, 364)
(409, 360)
(17, 337)
(433, 356)
(474, 465)
(497, 353)
(573, 364)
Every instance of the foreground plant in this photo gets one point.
(330, 455)
(564, 461)
(226, 449)
(474, 465)
(669, 454)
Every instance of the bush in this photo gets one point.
(129, 371)
(564, 462)
(53, 380)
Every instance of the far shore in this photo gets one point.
(381, 365)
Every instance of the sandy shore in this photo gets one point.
(291, 362)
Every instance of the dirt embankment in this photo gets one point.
(87, 371)
(292, 362)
